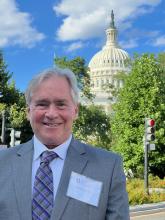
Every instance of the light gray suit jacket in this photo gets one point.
(98, 164)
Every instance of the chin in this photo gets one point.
(52, 144)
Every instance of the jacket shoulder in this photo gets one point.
(7, 153)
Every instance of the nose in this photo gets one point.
(51, 112)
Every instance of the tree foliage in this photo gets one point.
(161, 60)
(12, 100)
(143, 95)
(93, 126)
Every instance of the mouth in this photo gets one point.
(52, 125)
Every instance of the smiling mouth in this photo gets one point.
(52, 125)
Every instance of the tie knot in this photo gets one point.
(48, 156)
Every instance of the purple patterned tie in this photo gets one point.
(42, 202)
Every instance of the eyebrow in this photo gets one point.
(56, 101)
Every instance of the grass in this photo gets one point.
(137, 194)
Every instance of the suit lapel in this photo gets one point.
(22, 168)
(76, 161)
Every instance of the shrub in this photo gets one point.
(137, 194)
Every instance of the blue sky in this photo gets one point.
(32, 32)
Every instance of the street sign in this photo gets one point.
(152, 147)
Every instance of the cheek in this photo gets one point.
(34, 116)
(67, 116)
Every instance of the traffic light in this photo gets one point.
(15, 137)
(150, 129)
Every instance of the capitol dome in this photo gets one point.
(105, 64)
(108, 57)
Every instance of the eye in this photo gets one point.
(41, 105)
(61, 105)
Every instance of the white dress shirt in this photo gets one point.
(56, 164)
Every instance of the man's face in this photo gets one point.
(52, 111)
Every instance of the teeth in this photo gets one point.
(51, 125)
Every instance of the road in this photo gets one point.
(148, 211)
(154, 216)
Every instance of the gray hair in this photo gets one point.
(48, 73)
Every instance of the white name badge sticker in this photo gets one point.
(84, 189)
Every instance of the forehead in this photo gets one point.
(53, 82)
(52, 87)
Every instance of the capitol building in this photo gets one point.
(104, 65)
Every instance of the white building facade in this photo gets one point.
(104, 65)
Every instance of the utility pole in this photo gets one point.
(3, 127)
(149, 137)
(146, 168)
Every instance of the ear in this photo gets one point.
(28, 113)
(76, 111)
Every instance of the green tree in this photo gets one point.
(5, 76)
(12, 100)
(93, 126)
(143, 95)
(161, 60)
(77, 65)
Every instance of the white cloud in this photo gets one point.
(75, 46)
(132, 38)
(87, 19)
(15, 26)
(132, 43)
(80, 29)
(160, 41)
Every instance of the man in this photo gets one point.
(74, 181)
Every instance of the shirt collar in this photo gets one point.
(61, 150)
